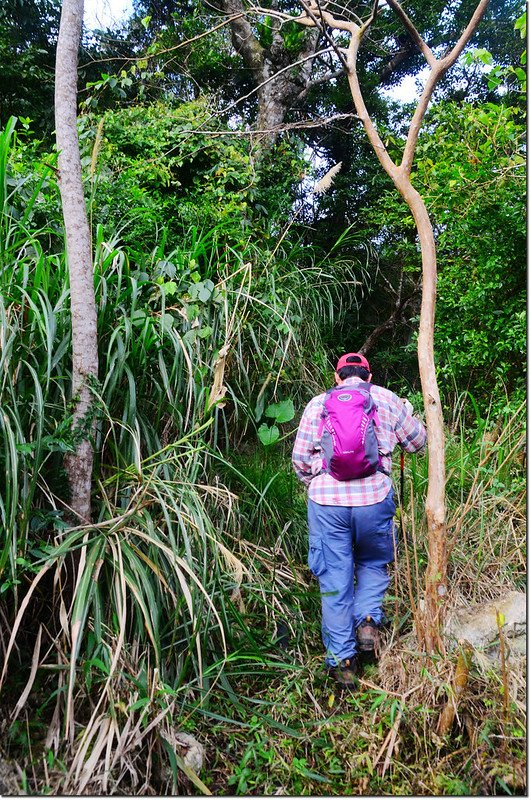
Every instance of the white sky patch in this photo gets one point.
(106, 13)
(409, 89)
(405, 91)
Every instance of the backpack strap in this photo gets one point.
(324, 413)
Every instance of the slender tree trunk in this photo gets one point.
(436, 589)
(79, 257)
(436, 572)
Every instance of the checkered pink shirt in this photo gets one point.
(397, 426)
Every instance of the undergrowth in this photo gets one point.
(187, 606)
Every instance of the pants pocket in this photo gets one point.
(316, 559)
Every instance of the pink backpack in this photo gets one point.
(347, 432)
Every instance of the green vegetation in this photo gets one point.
(224, 291)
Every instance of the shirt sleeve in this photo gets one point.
(409, 431)
(307, 455)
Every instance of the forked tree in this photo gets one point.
(79, 256)
(318, 16)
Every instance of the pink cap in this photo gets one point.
(353, 360)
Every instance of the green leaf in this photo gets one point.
(205, 291)
(144, 701)
(24, 447)
(205, 332)
(281, 412)
(169, 288)
(268, 435)
(167, 322)
(138, 317)
(521, 25)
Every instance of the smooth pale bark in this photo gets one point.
(79, 255)
(436, 572)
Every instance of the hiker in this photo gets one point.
(351, 519)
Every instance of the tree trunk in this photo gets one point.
(436, 577)
(79, 256)
(273, 103)
(279, 82)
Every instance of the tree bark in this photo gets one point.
(79, 257)
(436, 588)
(279, 83)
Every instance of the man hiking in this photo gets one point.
(342, 453)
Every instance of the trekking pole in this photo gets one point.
(402, 462)
(401, 495)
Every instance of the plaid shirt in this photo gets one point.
(397, 426)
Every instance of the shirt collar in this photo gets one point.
(351, 380)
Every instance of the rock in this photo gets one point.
(477, 624)
(191, 751)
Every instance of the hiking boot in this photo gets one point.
(368, 637)
(345, 673)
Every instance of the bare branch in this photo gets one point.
(328, 76)
(303, 124)
(413, 32)
(323, 29)
(331, 21)
(395, 316)
(272, 77)
(408, 50)
(367, 24)
(300, 20)
(416, 122)
(467, 34)
(359, 103)
(437, 71)
(146, 56)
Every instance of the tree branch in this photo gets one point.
(302, 19)
(396, 60)
(244, 41)
(413, 32)
(318, 81)
(389, 323)
(437, 71)
(359, 103)
(309, 10)
(272, 78)
(286, 126)
(367, 24)
(467, 34)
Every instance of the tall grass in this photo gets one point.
(190, 339)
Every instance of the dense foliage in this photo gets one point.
(471, 169)
(225, 288)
